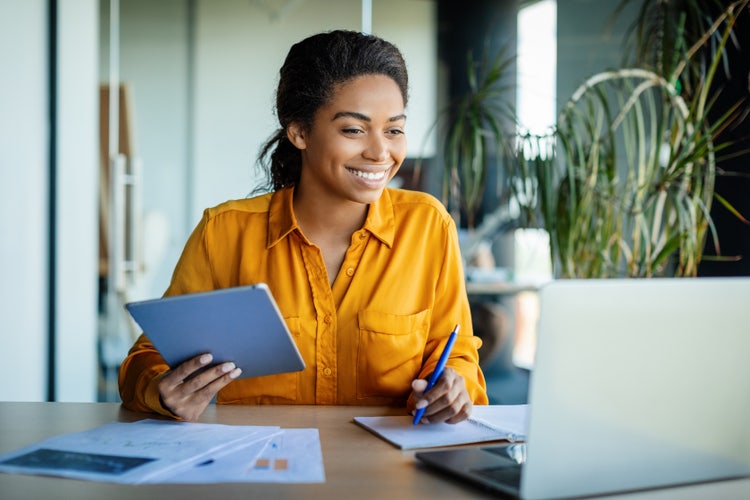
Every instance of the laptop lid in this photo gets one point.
(638, 384)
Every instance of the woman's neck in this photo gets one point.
(321, 217)
(329, 226)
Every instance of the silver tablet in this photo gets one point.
(241, 324)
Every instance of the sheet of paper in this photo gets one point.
(286, 456)
(293, 456)
(137, 452)
(492, 423)
(229, 468)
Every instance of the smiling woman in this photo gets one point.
(369, 279)
(360, 132)
(354, 147)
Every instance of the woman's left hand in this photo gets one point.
(447, 401)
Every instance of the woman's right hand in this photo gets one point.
(190, 387)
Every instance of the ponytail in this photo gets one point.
(281, 161)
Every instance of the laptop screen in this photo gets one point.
(638, 384)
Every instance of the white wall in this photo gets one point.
(77, 200)
(154, 62)
(23, 200)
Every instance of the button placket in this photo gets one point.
(325, 308)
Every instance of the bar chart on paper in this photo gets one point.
(291, 456)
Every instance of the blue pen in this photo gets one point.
(438, 369)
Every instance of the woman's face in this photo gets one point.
(356, 143)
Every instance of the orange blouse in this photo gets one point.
(383, 323)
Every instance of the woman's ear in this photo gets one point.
(296, 135)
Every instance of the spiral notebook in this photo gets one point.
(487, 423)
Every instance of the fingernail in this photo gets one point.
(206, 358)
(422, 403)
(227, 367)
(235, 373)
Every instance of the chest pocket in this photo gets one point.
(389, 352)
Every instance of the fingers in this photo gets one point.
(188, 389)
(454, 417)
(187, 369)
(419, 385)
(448, 401)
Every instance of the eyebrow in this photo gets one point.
(365, 118)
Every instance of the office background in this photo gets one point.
(202, 74)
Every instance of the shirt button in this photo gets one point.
(350, 272)
(362, 235)
(327, 372)
(327, 319)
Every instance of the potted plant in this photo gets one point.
(474, 130)
(626, 188)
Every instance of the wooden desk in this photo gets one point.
(357, 464)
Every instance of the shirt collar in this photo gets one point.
(281, 220)
(380, 219)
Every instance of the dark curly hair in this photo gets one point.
(312, 70)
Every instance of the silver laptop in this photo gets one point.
(637, 384)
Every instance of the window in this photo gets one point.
(536, 95)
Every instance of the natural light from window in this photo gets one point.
(535, 107)
(537, 66)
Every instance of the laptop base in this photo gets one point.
(496, 468)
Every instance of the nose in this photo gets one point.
(377, 149)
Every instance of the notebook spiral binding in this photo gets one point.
(510, 436)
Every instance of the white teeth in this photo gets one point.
(373, 176)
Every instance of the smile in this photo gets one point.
(372, 176)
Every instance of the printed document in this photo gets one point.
(157, 451)
(287, 456)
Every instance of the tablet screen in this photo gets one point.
(242, 325)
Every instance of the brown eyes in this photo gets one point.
(356, 131)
